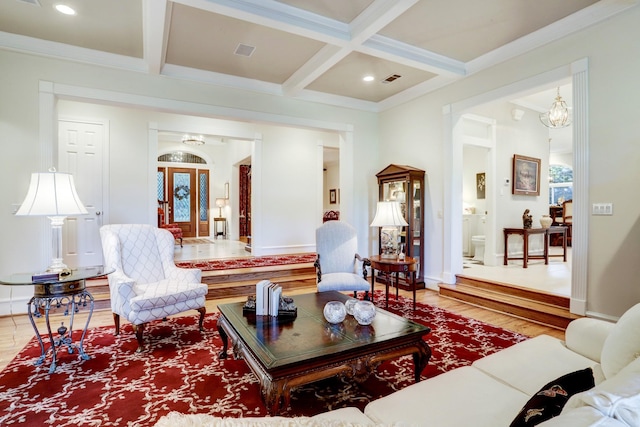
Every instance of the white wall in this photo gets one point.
(28, 148)
(414, 133)
(331, 181)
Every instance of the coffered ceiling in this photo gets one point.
(316, 50)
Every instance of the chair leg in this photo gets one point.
(139, 330)
(202, 311)
(366, 296)
(116, 320)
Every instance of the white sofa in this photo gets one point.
(491, 392)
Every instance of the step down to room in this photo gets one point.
(229, 283)
(540, 307)
(242, 281)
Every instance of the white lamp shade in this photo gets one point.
(388, 214)
(51, 194)
(221, 202)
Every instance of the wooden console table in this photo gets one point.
(408, 266)
(525, 233)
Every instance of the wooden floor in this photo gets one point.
(16, 330)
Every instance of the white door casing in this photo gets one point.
(80, 152)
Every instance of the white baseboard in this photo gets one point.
(9, 307)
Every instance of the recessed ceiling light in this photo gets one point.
(368, 78)
(63, 8)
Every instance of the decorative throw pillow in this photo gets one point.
(549, 401)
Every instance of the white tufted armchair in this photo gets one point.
(337, 245)
(146, 284)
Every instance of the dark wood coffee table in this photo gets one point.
(287, 354)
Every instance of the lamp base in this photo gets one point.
(58, 267)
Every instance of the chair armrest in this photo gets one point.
(586, 336)
(121, 291)
(316, 264)
(366, 262)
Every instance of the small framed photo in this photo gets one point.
(526, 176)
(332, 196)
(481, 185)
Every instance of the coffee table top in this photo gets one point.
(285, 344)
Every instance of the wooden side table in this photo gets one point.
(525, 233)
(391, 265)
(223, 223)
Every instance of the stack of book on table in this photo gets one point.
(267, 298)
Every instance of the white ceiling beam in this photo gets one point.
(406, 54)
(155, 24)
(365, 25)
(57, 50)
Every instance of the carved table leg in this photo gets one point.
(224, 337)
(421, 358)
(273, 394)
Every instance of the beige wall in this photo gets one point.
(414, 133)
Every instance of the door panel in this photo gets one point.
(182, 200)
(203, 203)
(80, 148)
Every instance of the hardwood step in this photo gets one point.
(540, 307)
(229, 283)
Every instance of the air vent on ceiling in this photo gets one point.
(32, 2)
(391, 78)
(244, 50)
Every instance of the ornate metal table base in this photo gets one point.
(71, 296)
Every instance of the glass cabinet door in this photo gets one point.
(404, 184)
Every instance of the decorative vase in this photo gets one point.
(545, 221)
(364, 312)
(334, 311)
(350, 304)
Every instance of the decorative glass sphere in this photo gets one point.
(349, 304)
(334, 311)
(364, 312)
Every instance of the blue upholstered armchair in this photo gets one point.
(337, 262)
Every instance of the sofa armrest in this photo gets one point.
(586, 336)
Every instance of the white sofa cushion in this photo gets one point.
(531, 364)
(617, 397)
(344, 417)
(623, 343)
(582, 417)
(461, 397)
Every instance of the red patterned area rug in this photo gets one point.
(181, 371)
(261, 261)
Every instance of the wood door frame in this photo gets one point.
(188, 229)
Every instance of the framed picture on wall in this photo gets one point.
(526, 176)
(481, 185)
(332, 196)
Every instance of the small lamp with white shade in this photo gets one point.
(53, 194)
(389, 218)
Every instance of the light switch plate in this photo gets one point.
(602, 209)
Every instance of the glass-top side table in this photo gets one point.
(64, 291)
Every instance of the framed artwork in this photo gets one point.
(526, 176)
(332, 196)
(481, 185)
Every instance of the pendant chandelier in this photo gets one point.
(193, 139)
(558, 115)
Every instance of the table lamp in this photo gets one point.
(389, 217)
(53, 194)
(220, 204)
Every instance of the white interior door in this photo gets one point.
(80, 152)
